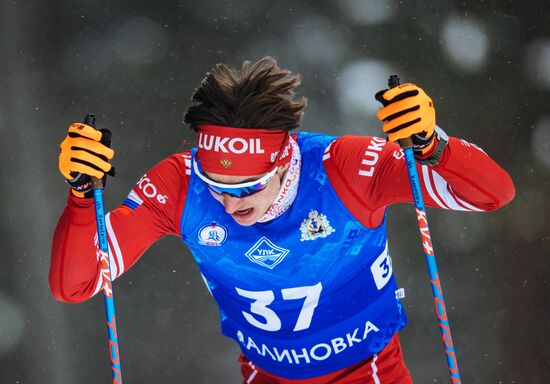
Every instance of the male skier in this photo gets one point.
(288, 231)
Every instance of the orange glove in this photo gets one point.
(408, 112)
(85, 153)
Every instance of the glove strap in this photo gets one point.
(82, 185)
(442, 140)
(422, 145)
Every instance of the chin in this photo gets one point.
(246, 223)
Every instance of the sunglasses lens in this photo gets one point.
(238, 192)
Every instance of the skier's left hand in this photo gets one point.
(407, 112)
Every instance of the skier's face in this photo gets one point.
(248, 210)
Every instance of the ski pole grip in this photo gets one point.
(90, 120)
(393, 81)
(96, 183)
(406, 143)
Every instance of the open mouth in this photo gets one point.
(243, 212)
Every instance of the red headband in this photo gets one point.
(242, 151)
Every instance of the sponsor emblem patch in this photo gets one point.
(225, 163)
(266, 254)
(212, 234)
(316, 226)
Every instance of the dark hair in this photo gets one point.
(260, 95)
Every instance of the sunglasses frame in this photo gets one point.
(237, 187)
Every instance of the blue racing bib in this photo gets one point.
(305, 294)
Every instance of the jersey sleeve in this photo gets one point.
(151, 210)
(369, 173)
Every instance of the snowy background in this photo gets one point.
(135, 64)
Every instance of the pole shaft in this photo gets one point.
(437, 290)
(109, 301)
(103, 254)
(422, 218)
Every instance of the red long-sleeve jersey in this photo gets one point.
(367, 173)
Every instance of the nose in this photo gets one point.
(231, 204)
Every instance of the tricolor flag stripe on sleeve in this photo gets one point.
(132, 201)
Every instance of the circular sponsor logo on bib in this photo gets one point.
(212, 234)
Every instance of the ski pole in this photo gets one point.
(422, 219)
(103, 252)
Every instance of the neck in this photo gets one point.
(289, 186)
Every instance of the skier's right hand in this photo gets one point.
(83, 153)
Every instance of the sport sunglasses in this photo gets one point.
(236, 190)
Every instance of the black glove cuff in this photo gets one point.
(83, 184)
(443, 139)
(420, 142)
